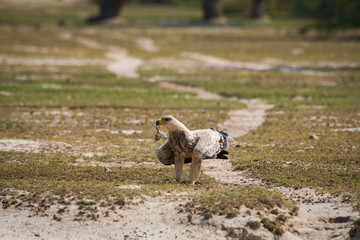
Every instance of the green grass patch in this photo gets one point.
(51, 173)
(273, 226)
(49, 42)
(282, 152)
(256, 44)
(284, 93)
(54, 183)
(227, 201)
(54, 95)
(137, 12)
(50, 13)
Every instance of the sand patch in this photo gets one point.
(242, 121)
(89, 43)
(147, 44)
(23, 145)
(219, 63)
(6, 94)
(157, 218)
(119, 60)
(31, 146)
(201, 93)
(51, 86)
(8, 60)
(181, 65)
(131, 186)
(276, 66)
(122, 64)
(192, 61)
(131, 132)
(347, 130)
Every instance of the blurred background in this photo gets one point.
(318, 14)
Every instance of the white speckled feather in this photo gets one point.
(208, 142)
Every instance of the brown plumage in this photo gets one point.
(185, 144)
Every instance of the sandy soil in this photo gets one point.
(157, 218)
(118, 60)
(216, 62)
(242, 121)
(201, 93)
(267, 65)
(192, 61)
(22, 145)
(147, 44)
(122, 64)
(50, 61)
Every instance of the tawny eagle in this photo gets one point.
(184, 146)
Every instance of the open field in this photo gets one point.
(78, 106)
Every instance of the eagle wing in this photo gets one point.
(165, 154)
(209, 143)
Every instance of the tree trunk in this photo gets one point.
(212, 9)
(257, 8)
(108, 9)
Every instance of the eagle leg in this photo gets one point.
(195, 169)
(179, 163)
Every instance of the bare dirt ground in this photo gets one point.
(157, 218)
(320, 216)
(147, 44)
(50, 61)
(120, 62)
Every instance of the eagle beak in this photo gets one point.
(159, 122)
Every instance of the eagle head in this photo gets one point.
(171, 123)
(166, 119)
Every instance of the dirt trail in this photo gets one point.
(192, 61)
(122, 64)
(240, 121)
(275, 66)
(119, 61)
(201, 93)
(147, 44)
(7, 60)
